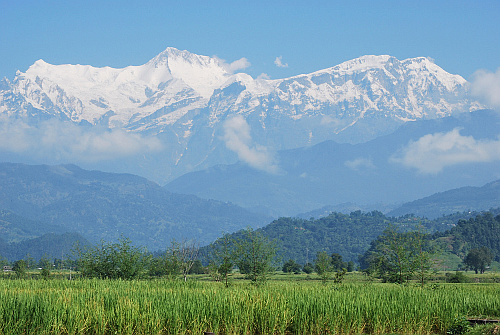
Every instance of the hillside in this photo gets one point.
(349, 235)
(456, 200)
(482, 230)
(15, 228)
(51, 246)
(101, 205)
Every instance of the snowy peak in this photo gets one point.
(177, 84)
(202, 73)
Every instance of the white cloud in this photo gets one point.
(67, 142)
(237, 65)
(263, 76)
(279, 62)
(238, 139)
(360, 164)
(486, 85)
(433, 152)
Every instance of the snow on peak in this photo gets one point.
(363, 63)
(202, 73)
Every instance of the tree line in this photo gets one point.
(396, 255)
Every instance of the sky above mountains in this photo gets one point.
(276, 39)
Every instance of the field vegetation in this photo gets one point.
(286, 304)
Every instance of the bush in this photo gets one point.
(460, 326)
(458, 277)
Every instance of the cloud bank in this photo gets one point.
(238, 139)
(432, 153)
(486, 86)
(64, 141)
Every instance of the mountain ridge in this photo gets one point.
(100, 205)
(185, 101)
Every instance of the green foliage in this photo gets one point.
(323, 266)
(457, 277)
(197, 268)
(308, 268)
(478, 258)
(397, 257)
(459, 326)
(222, 258)
(157, 267)
(339, 276)
(92, 306)
(112, 261)
(20, 268)
(46, 265)
(291, 266)
(254, 255)
(346, 235)
(480, 231)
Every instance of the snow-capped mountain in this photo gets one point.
(186, 99)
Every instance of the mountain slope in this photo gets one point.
(456, 200)
(185, 101)
(381, 170)
(50, 245)
(15, 228)
(102, 205)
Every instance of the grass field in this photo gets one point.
(279, 307)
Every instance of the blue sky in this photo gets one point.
(461, 36)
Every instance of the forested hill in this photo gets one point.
(482, 230)
(349, 235)
(346, 234)
(49, 245)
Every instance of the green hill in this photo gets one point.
(101, 205)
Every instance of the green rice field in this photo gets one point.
(279, 307)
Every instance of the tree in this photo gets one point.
(396, 256)
(222, 258)
(308, 268)
(20, 268)
(254, 255)
(323, 266)
(337, 262)
(112, 260)
(291, 266)
(157, 267)
(197, 268)
(180, 258)
(478, 258)
(45, 264)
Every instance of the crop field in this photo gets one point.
(278, 307)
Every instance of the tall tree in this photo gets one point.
(180, 258)
(254, 255)
(222, 258)
(112, 260)
(396, 256)
(323, 265)
(478, 258)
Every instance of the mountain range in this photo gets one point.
(39, 199)
(230, 150)
(183, 112)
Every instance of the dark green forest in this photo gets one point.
(350, 235)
